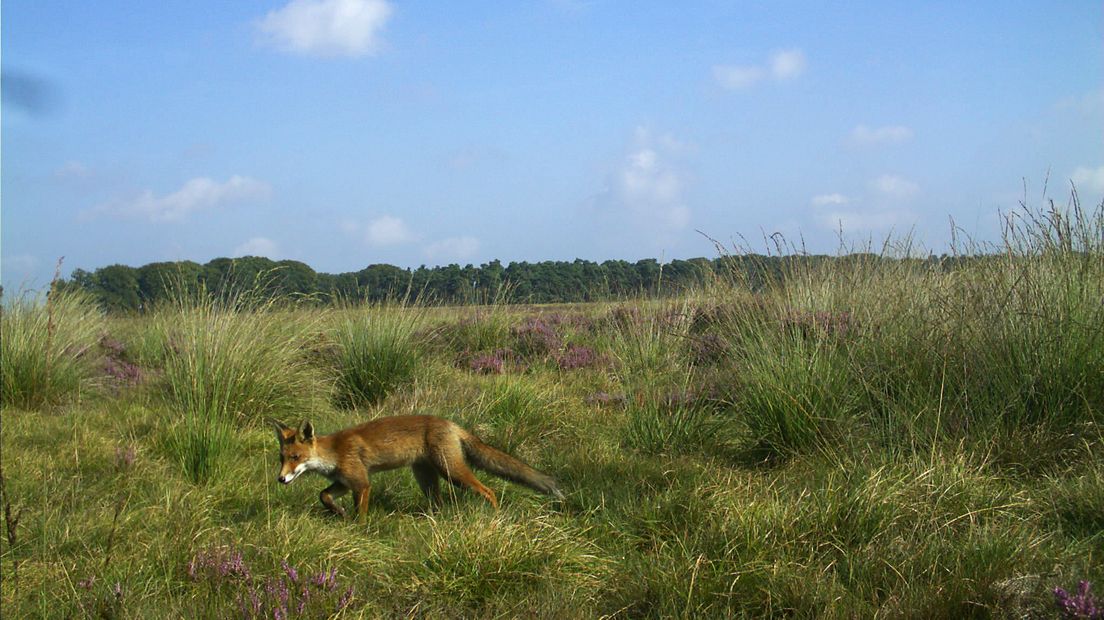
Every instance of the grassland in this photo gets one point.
(866, 439)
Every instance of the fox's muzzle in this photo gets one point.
(292, 475)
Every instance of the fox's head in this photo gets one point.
(297, 450)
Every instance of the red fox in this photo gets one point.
(432, 447)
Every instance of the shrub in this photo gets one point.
(577, 356)
(486, 364)
(535, 338)
(494, 363)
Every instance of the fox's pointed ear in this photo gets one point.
(283, 432)
(306, 433)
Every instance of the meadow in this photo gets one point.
(864, 438)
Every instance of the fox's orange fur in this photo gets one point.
(432, 447)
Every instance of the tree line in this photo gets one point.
(121, 288)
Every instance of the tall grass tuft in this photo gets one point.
(485, 569)
(1009, 339)
(48, 348)
(230, 363)
(647, 345)
(796, 393)
(991, 341)
(378, 354)
(658, 425)
(510, 412)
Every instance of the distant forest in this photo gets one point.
(120, 288)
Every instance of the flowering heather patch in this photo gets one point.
(116, 364)
(1080, 605)
(218, 564)
(286, 595)
(122, 371)
(487, 363)
(112, 346)
(577, 356)
(535, 338)
(812, 323)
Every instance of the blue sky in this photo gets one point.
(349, 132)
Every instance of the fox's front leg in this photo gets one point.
(329, 493)
(360, 487)
(362, 501)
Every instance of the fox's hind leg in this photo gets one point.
(329, 493)
(428, 479)
(450, 463)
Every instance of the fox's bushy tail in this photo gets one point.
(497, 462)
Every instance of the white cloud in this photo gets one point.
(872, 136)
(643, 180)
(257, 246)
(646, 187)
(388, 230)
(787, 64)
(882, 208)
(453, 248)
(782, 65)
(196, 194)
(893, 187)
(737, 77)
(829, 199)
(1088, 179)
(327, 27)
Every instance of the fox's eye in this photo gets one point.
(295, 457)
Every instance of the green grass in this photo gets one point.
(865, 439)
(48, 349)
(227, 366)
(377, 354)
